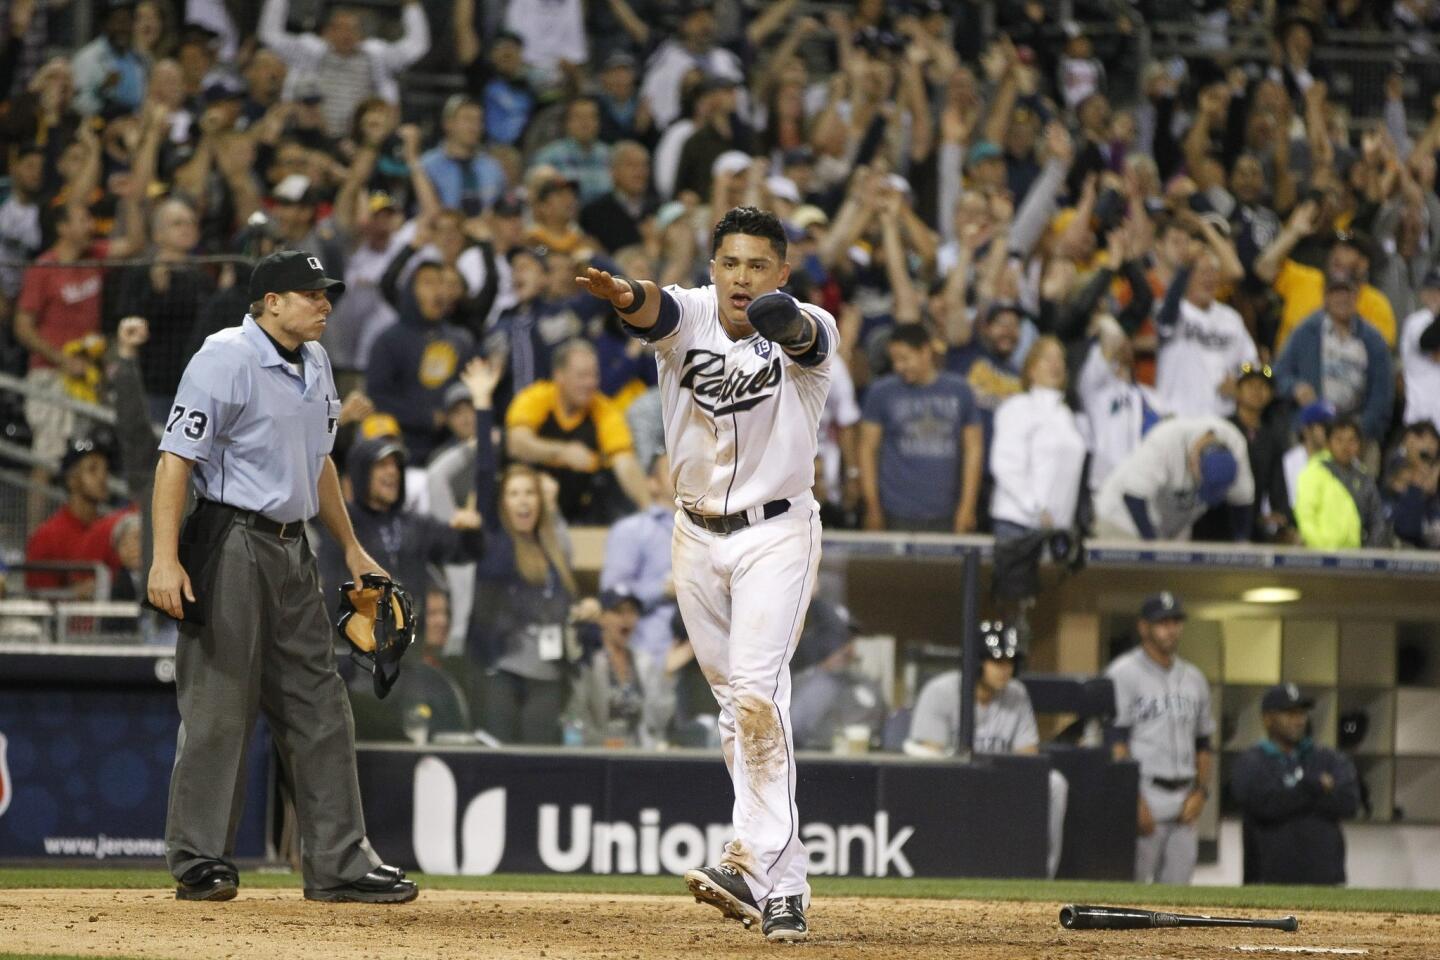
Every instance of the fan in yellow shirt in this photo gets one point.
(567, 428)
(1302, 288)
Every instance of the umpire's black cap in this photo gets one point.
(287, 270)
(1162, 606)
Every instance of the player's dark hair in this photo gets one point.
(751, 222)
(912, 335)
(1343, 423)
(1421, 428)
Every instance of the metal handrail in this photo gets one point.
(105, 415)
(23, 454)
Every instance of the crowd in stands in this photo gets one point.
(1203, 306)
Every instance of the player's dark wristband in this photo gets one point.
(638, 289)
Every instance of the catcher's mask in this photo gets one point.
(378, 621)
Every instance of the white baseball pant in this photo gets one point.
(743, 597)
(1168, 855)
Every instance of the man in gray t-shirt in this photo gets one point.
(1163, 722)
(1004, 719)
(922, 446)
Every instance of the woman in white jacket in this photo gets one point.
(1037, 454)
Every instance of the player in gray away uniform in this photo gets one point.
(1163, 721)
(1004, 718)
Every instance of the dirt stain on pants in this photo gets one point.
(762, 741)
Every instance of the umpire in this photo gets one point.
(253, 424)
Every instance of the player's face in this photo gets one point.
(521, 502)
(1003, 332)
(1344, 446)
(1048, 368)
(617, 625)
(1173, 246)
(1254, 393)
(28, 173)
(385, 482)
(460, 421)
(302, 314)
(437, 619)
(429, 290)
(89, 478)
(528, 276)
(996, 673)
(578, 380)
(1205, 281)
(1287, 727)
(1163, 635)
(344, 33)
(744, 267)
(911, 365)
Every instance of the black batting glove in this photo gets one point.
(776, 317)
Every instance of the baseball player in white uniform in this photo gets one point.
(744, 372)
(1004, 719)
(1163, 721)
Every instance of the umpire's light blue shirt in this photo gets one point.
(258, 433)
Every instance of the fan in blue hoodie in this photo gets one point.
(414, 361)
(402, 541)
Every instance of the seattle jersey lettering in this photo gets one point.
(1172, 704)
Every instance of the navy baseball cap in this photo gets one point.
(1320, 411)
(78, 449)
(1217, 472)
(1162, 606)
(1285, 696)
(288, 270)
(616, 596)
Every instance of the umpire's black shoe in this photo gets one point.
(724, 887)
(210, 880)
(384, 884)
(785, 920)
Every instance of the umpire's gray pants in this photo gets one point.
(1168, 855)
(266, 646)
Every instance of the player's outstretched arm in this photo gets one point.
(637, 301)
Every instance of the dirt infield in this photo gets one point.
(279, 925)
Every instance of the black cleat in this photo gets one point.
(384, 884)
(724, 888)
(210, 880)
(784, 920)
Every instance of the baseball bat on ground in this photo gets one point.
(1084, 917)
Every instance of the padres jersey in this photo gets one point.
(1197, 353)
(1004, 725)
(741, 416)
(1165, 711)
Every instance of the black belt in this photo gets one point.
(291, 530)
(1179, 784)
(730, 522)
